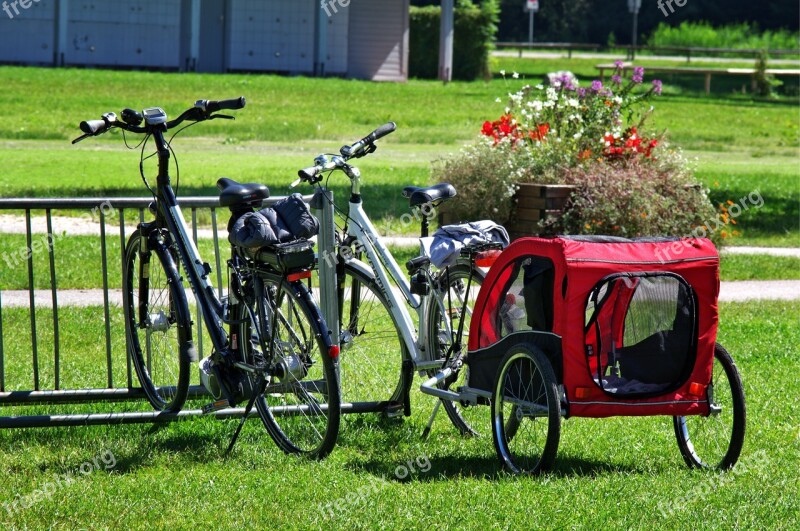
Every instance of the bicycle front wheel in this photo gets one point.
(443, 317)
(371, 360)
(157, 321)
(715, 440)
(300, 406)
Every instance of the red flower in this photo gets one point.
(540, 132)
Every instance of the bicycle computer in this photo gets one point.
(154, 116)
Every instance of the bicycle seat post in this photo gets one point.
(424, 224)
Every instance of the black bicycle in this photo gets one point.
(277, 353)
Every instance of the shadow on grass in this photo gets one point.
(484, 467)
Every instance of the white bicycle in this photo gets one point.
(381, 348)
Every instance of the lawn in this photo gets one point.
(742, 146)
(620, 472)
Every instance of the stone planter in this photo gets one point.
(533, 203)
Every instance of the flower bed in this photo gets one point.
(627, 180)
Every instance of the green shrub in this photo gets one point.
(629, 182)
(474, 28)
(703, 35)
(635, 197)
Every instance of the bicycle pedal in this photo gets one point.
(217, 405)
(393, 410)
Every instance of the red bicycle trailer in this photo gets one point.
(599, 327)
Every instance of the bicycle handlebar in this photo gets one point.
(358, 149)
(355, 149)
(202, 110)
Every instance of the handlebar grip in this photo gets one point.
(382, 131)
(232, 104)
(93, 127)
(309, 173)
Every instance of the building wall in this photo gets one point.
(368, 41)
(30, 36)
(142, 33)
(378, 44)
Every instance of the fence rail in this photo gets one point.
(687, 51)
(52, 391)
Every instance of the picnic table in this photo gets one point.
(706, 72)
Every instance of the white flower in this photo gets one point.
(572, 102)
(577, 135)
(617, 100)
(503, 73)
(539, 87)
(515, 75)
(497, 100)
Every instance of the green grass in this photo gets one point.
(742, 145)
(759, 267)
(78, 262)
(609, 472)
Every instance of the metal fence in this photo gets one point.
(52, 391)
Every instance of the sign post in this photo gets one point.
(633, 7)
(531, 6)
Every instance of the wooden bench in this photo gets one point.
(706, 72)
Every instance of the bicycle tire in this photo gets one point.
(690, 430)
(300, 409)
(157, 323)
(465, 419)
(525, 375)
(372, 348)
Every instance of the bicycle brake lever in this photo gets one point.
(82, 137)
(223, 116)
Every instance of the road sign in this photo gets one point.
(532, 5)
(634, 5)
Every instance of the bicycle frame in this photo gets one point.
(386, 271)
(169, 215)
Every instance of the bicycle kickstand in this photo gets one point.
(427, 429)
(261, 387)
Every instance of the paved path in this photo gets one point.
(732, 291)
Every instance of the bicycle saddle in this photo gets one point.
(435, 195)
(232, 193)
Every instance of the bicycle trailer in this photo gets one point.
(629, 326)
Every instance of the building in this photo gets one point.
(365, 39)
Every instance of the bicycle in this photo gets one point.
(380, 346)
(278, 355)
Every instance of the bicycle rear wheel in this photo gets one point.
(715, 440)
(442, 323)
(526, 413)
(300, 406)
(158, 326)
